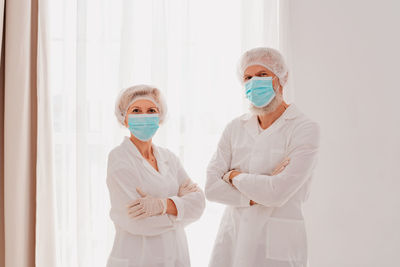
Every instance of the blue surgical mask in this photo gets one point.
(143, 126)
(259, 91)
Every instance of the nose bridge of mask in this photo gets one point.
(257, 82)
(144, 118)
(144, 115)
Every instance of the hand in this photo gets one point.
(281, 166)
(233, 174)
(229, 175)
(146, 206)
(187, 187)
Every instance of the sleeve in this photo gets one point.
(190, 207)
(122, 185)
(275, 191)
(216, 189)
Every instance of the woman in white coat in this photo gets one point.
(152, 197)
(262, 171)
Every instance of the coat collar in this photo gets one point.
(250, 121)
(290, 113)
(162, 160)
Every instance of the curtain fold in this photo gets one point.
(19, 132)
(2, 240)
(45, 245)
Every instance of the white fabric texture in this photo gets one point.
(271, 233)
(154, 241)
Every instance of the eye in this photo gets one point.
(264, 74)
(135, 110)
(246, 78)
(153, 110)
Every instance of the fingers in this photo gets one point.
(281, 166)
(276, 171)
(279, 170)
(142, 216)
(195, 188)
(284, 163)
(134, 203)
(190, 187)
(140, 192)
(136, 210)
(186, 183)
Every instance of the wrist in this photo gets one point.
(165, 205)
(233, 174)
(226, 176)
(171, 207)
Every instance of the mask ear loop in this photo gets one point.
(280, 86)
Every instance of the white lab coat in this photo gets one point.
(158, 241)
(271, 233)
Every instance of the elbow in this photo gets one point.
(210, 189)
(276, 200)
(202, 205)
(207, 193)
(210, 194)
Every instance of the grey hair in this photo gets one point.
(271, 107)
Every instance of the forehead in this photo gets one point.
(143, 103)
(254, 69)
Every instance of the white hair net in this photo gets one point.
(141, 91)
(267, 57)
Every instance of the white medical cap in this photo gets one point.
(142, 91)
(267, 57)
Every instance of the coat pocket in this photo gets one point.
(117, 262)
(286, 240)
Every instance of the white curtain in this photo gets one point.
(189, 49)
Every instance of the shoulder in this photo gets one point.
(116, 152)
(305, 128)
(238, 121)
(303, 123)
(117, 157)
(167, 154)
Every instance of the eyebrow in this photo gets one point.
(141, 108)
(262, 71)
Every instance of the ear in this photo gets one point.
(280, 88)
(285, 79)
(126, 121)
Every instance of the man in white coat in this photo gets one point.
(262, 171)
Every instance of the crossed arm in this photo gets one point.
(150, 216)
(243, 189)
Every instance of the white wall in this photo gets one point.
(346, 76)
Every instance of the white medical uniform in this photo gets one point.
(272, 232)
(158, 241)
